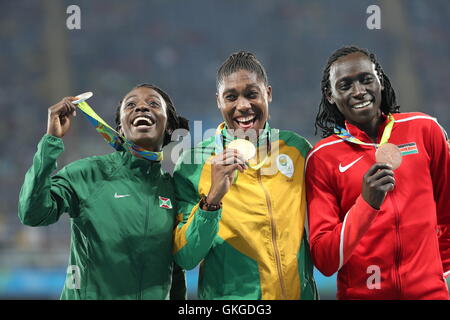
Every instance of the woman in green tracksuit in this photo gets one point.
(121, 205)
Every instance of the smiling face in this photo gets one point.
(143, 118)
(244, 100)
(356, 89)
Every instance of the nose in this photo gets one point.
(243, 104)
(142, 107)
(358, 90)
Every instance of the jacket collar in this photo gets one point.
(139, 166)
(361, 135)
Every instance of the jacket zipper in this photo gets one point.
(274, 236)
(145, 232)
(398, 246)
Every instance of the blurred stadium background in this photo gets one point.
(179, 45)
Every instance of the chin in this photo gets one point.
(144, 142)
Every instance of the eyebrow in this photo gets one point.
(249, 86)
(362, 74)
(151, 95)
(130, 97)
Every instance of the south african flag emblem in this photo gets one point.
(165, 203)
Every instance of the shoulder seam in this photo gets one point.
(427, 118)
(416, 117)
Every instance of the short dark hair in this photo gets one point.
(174, 121)
(328, 116)
(241, 60)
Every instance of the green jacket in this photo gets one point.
(121, 222)
(254, 247)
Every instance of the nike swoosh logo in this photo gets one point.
(117, 196)
(343, 169)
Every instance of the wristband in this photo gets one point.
(207, 206)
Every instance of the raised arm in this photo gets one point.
(43, 198)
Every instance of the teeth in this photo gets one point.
(361, 105)
(245, 119)
(147, 120)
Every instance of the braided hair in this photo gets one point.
(174, 121)
(328, 117)
(241, 60)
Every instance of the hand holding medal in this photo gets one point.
(228, 160)
(244, 147)
(379, 179)
(248, 151)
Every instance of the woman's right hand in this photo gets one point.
(223, 168)
(59, 117)
(377, 182)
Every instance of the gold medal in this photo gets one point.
(389, 153)
(245, 147)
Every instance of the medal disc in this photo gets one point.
(246, 148)
(389, 153)
(82, 97)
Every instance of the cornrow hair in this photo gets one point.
(241, 60)
(329, 117)
(174, 121)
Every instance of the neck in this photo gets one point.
(370, 128)
(149, 146)
(152, 149)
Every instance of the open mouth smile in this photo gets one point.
(143, 121)
(362, 104)
(246, 122)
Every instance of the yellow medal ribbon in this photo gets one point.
(387, 130)
(83, 105)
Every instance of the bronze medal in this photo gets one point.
(389, 153)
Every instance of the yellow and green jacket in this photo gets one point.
(254, 247)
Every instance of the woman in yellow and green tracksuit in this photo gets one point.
(121, 205)
(255, 246)
(246, 230)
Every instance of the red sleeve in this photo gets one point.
(440, 174)
(332, 239)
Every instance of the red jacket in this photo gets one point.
(400, 251)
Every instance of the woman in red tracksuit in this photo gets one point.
(384, 230)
